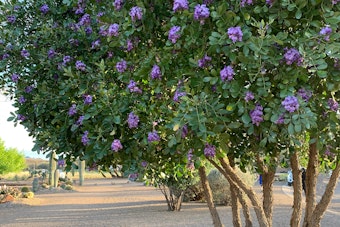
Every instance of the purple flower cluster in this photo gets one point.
(326, 32)
(180, 5)
(88, 30)
(249, 96)
(132, 86)
(227, 73)
(80, 120)
(15, 77)
(190, 164)
(22, 99)
(4, 56)
(280, 120)
(113, 30)
(116, 145)
(21, 117)
(44, 8)
(292, 55)
(136, 13)
(156, 72)
(174, 34)
(85, 20)
(333, 104)
(24, 53)
(51, 53)
(178, 94)
(121, 66)
(95, 44)
(29, 89)
(129, 45)
(244, 2)
(204, 62)
(201, 13)
(270, 2)
(80, 66)
(133, 120)
(235, 34)
(66, 59)
(334, 2)
(85, 139)
(153, 136)
(144, 164)
(209, 150)
(256, 115)
(73, 110)
(184, 131)
(304, 94)
(87, 99)
(11, 19)
(118, 4)
(290, 103)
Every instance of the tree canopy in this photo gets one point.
(10, 159)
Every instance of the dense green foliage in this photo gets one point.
(10, 159)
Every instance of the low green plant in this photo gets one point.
(28, 195)
(25, 189)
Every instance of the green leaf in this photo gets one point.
(298, 14)
(297, 128)
(290, 129)
(246, 118)
(117, 120)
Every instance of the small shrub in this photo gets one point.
(68, 187)
(15, 192)
(44, 185)
(25, 189)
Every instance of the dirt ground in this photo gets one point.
(119, 203)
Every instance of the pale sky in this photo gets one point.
(15, 137)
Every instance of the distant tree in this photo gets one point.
(10, 159)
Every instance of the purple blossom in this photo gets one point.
(5, 56)
(15, 77)
(178, 94)
(85, 20)
(333, 104)
(133, 120)
(270, 2)
(74, 42)
(102, 31)
(227, 73)
(184, 131)
(80, 120)
(334, 2)
(156, 72)
(144, 164)
(235, 34)
(290, 103)
(88, 30)
(190, 155)
(121, 66)
(129, 45)
(118, 4)
(73, 110)
(84, 139)
(153, 136)
(249, 96)
(180, 5)
(132, 86)
(136, 13)
(204, 62)
(80, 66)
(113, 30)
(174, 34)
(280, 120)
(21, 117)
(44, 8)
(61, 163)
(109, 54)
(95, 44)
(256, 115)
(79, 10)
(87, 99)
(11, 19)
(29, 89)
(66, 59)
(207, 2)
(292, 55)
(304, 94)
(209, 150)
(244, 2)
(116, 145)
(100, 14)
(326, 32)
(22, 99)
(25, 53)
(51, 53)
(201, 13)
(328, 151)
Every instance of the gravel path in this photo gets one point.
(116, 203)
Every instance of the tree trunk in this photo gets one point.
(268, 179)
(208, 195)
(297, 184)
(311, 177)
(234, 199)
(321, 208)
(245, 208)
(230, 173)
